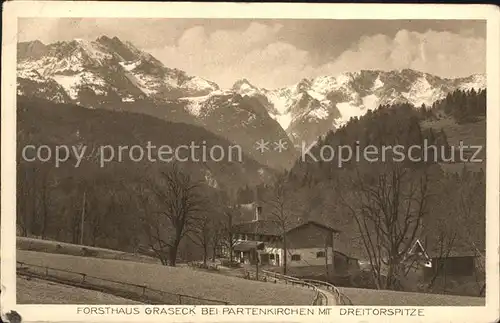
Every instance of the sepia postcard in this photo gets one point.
(249, 162)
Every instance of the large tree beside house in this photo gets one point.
(280, 202)
(388, 209)
(178, 203)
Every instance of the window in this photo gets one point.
(295, 257)
(271, 256)
(320, 254)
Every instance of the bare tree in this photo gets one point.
(104, 203)
(280, 202)
(44, 203)
(155, 227)
(179, 203)
(388, 209)
(25, 198)
(228, 236)
(216, 239)
(445, 241)
(33, 199)
(217, 229)
(471, 211)
(202, 234)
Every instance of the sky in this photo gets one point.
(275, 53)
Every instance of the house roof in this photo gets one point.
(273, 228)
(246, 245)
(347, 256)
(319, 224)
(264, 227)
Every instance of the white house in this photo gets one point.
(309, 244)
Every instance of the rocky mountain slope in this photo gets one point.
(106, 69)
(310, 108)
(110, 73)
(43, 122)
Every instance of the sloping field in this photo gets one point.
(373, 297)
(36, 291)
(471, 134)
(234, 290)
(33, 244)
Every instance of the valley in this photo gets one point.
(148, 213)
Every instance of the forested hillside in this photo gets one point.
(388, 201)
(383, 206)
(51, 198)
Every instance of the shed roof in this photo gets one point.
(458, 249)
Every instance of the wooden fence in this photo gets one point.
(137, 292)
(340, 298)
(319, 297)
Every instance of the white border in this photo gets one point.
(53, 313)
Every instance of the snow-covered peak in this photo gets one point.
(421, 92)
(94, 51)
(107, 65)
(303, 85)
(475, 81)
(244, 87)
(377, 84)
(200, 85)
(323, 84)
(30, 74)
(333, 99)
(122, 50)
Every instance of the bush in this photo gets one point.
(228, 263)
(363, 279)
(89, 253)
(463, 286)
(201, 265)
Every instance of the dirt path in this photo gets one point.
(331, 299)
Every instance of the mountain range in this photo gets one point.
(112, 74)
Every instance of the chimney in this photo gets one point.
(258, 207)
